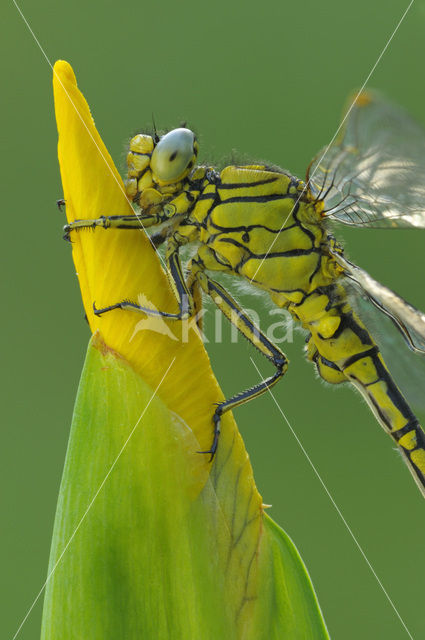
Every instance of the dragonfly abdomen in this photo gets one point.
(390, 408)
(344, 350)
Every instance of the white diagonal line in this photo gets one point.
(91, 502)
(306, 186)
(293, 432)
(85, 126)
(334, 504)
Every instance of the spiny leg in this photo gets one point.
(230, 308)
(113, 222)
(178, 285)
(196, 294)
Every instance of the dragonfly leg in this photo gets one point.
(196, 295)
(237, 316)
(180, 288)
(112, 222)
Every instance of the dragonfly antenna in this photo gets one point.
(156, 136)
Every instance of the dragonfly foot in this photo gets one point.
(67, 233)
(216, 420)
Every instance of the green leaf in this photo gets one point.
(143, 549)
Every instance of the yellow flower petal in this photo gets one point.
(113, 265)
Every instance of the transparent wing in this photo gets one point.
(409, 321)
(406, 367)
(373, 175)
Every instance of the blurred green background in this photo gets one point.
(269, 80)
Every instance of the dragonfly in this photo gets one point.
(261, 224)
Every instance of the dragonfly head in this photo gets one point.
(161, 164)
(174, 156)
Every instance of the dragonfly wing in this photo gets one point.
(408, 320)
(373, 174)
(407, 367)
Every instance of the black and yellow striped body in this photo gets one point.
(248, 209)
(344, 350)
(261, 224)
(238, 218)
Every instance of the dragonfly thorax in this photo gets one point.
(259, 223)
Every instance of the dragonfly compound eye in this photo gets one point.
(174, 155)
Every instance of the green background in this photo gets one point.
(268, 79)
